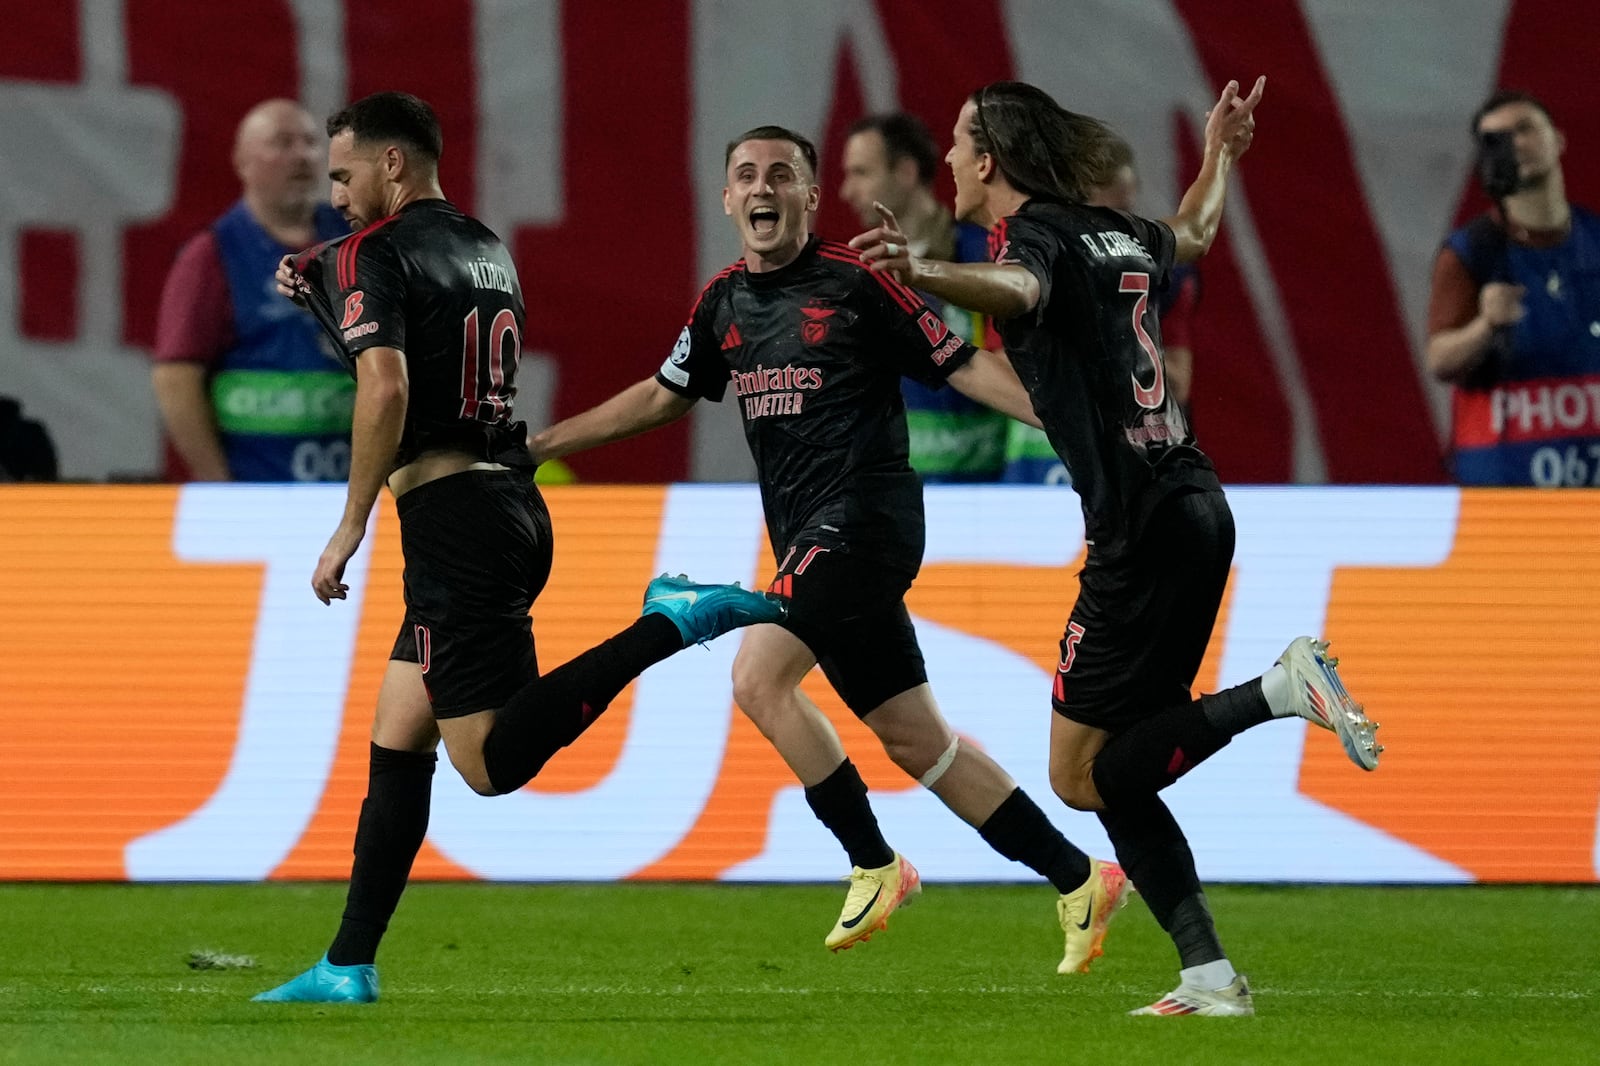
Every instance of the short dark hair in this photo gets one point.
(775, 133)
(1500, 98)
(904, 137)
(392, 117)
(1042, 148)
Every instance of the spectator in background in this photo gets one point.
(1030, 460)
(892, 159)
(248, 389)
(1514, 313)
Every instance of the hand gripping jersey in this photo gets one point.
(441, 288)
(1090, 356)
(815, 351)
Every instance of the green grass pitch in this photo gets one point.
(708, 974)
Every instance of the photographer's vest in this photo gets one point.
(282, 401)
(1530, 414)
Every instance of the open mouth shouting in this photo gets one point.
(770, 193)
(764, 221)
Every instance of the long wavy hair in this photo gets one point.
(1043, 149)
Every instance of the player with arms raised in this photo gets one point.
(1071, 289)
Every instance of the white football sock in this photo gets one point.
(1209, 976)
(1275, 689)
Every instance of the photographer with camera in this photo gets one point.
(1514, 314)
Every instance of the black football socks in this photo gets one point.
(1194, 933)
(394, 819)
(1155, 855)
(840, 802)
(1150, 755)
(552, 711)
(1236, 709)
(1019, 830)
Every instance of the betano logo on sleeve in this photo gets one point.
(223, 734)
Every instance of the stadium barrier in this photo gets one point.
(177, 704)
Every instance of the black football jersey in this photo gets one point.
(1090, 356)
(815, 351)
(440, 287)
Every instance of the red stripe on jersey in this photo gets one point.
(346, 272)
(997, 240)
(908, 299)
(347, 261)
(903, 296)
(724, 272)
(839, 248)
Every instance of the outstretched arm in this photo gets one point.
(1230, 126)
(988, 377)
(632, 411)
(1003, 290)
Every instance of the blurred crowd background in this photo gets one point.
(590, 136)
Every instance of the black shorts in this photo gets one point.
(850, 610)
(477, 550)
(1142, 621)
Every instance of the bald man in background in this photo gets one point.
(247, 387)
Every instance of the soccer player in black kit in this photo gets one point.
(424, 306)
(1071, 289)
(814, 346)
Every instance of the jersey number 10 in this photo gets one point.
(484, 395)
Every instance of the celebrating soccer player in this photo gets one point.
(424, 307)
(814, 345)
(1072, 287)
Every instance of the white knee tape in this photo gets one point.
(931, 778)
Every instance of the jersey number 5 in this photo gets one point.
(1151, 398)
(484, 395)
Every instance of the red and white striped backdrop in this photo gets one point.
(591, 136)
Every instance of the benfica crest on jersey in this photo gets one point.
(815, 328)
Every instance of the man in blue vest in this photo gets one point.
(247, 387)
(1514, 313)
(892, 159)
